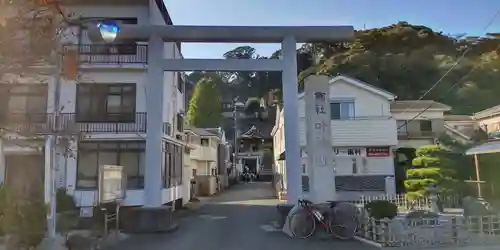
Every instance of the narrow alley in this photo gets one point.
(241, 218)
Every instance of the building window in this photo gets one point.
(91, 155)
(105, 102)
(305, 183)
(172, 163)
(425, 125)
(342, 110)
(205, 142)
(180, 83)
(402, 127)
(180, 123)
(23, 102)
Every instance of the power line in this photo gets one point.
(449, 90)
(454, 65)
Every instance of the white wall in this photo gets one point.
(366, 103)
(372, 125)
(415, 115)
(114, 73)
(365, 165)
(492, 123)
(376, 129)
(173, 99)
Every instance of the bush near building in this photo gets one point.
(431, 166)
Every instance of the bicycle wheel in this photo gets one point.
(302, 224)
(343, 228)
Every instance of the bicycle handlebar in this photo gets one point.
(304, 202)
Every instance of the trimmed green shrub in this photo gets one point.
(380, 209)
(430, 166)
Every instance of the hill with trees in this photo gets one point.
(402, 58)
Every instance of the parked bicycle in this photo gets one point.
(303, 222)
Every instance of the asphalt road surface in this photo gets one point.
(242, 218)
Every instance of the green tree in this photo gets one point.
(432, 165)
(205, 109)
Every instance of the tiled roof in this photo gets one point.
(488, 112)
(203, 132)
(418, 105)
(253, 132)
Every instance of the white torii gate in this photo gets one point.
(288, 36)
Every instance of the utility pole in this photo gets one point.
(235, 129)
(51, 171)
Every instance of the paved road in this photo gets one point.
(237, 219)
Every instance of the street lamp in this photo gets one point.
(109, 30)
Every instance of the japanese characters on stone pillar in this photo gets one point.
(318, 133)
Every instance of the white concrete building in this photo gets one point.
(208, 161)
(489, 120)
(363, 135)
(103, 109)
(420, 122)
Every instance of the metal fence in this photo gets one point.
(405, 204)
(445, 230)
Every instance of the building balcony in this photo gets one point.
(359, 131)
(204, 153)
(72, 123)
(406, 135)
(110, 54)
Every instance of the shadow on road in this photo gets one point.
(243, 218)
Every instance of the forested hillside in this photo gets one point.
(402, 58)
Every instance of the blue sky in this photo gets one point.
(449, 16)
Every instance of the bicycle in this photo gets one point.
(327, 221)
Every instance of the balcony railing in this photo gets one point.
(70, 123)
(111, 54)
(416, 134)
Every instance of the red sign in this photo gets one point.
(378, 152)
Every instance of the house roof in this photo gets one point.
(418, 105)
(485, 148)
(495, 110)
(203, 131)
(464, 118)
(363, 85)
(253, 132)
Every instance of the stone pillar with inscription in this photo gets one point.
(319, 145)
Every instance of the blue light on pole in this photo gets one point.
(109, 30)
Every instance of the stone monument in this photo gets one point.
(318, 134)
